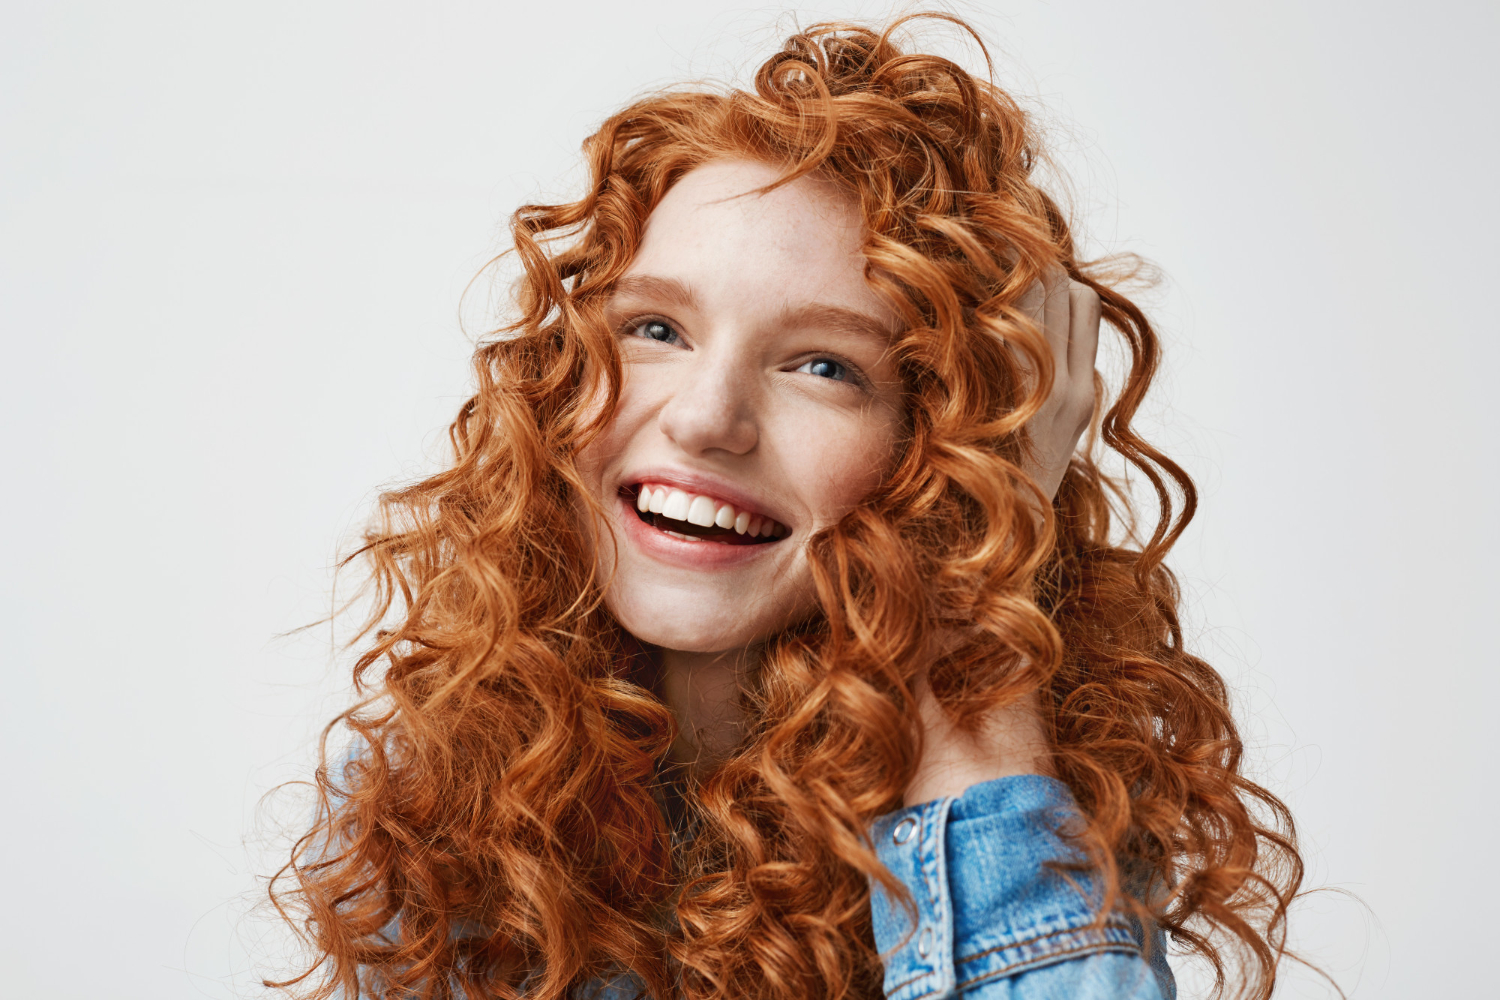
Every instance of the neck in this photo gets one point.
(703, 691)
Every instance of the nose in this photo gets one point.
(712, 409)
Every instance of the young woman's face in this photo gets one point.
(758, 405)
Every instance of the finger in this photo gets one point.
(1083, 335)
(1058, 322)
(1033, 303)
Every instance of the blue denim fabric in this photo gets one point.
(992, 921)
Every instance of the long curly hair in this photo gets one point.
(502, 826)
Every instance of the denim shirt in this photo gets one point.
(992, 921)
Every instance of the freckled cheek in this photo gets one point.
(615, 438)
(838, 464)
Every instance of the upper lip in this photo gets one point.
(707, 485)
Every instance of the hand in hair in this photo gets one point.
(1011, 739)
(1067, 312)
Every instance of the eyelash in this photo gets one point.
(852, 374)
(633, 328)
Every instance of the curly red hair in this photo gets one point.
(500, 829)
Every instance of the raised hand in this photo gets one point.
(1067, 312)
(1012, 740)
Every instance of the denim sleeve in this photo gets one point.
(992, 921)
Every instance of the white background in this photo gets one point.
(234, 241)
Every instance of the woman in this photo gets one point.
(770, 634)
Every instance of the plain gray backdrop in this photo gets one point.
(235, 238)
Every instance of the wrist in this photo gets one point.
(1010, 741)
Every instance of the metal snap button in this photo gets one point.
(904, 830)
(924, 943)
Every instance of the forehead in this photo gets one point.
(728, 192)
(715, 232)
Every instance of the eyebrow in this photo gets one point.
(669, 291)
(836, 319)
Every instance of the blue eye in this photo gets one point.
(826, 368)
(655, 329)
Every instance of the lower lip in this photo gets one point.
(695, 555)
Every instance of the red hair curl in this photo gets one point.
(500, 830)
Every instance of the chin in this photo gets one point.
(691, 637)
(716, 630)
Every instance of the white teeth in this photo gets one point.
(676, 506)
(701, 512)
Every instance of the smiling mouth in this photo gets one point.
(694, 517)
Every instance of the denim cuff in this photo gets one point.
(987, 905)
